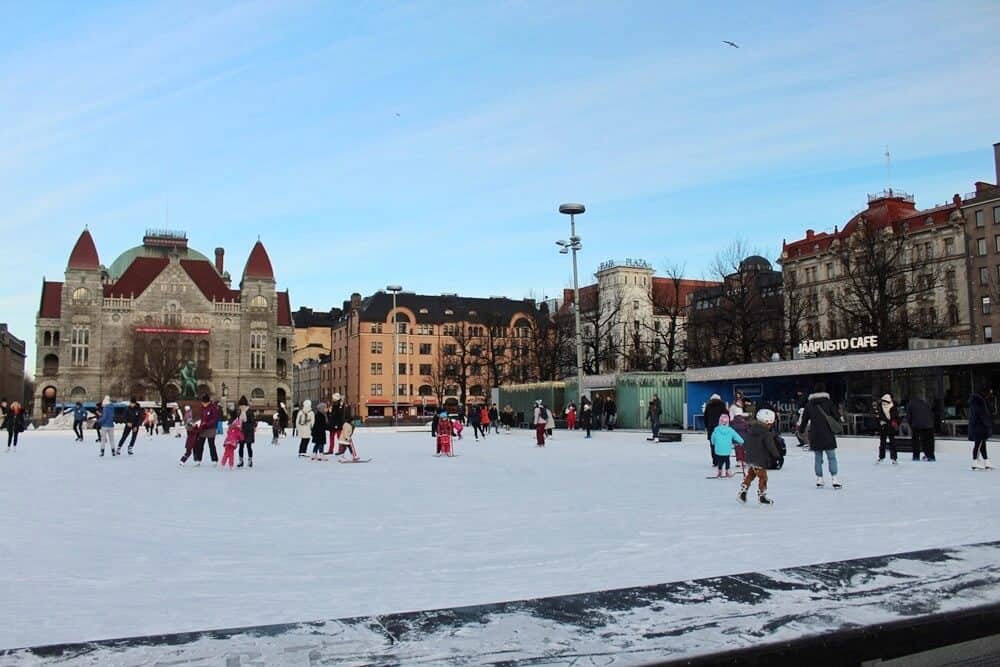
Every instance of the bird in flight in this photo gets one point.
(732, 44)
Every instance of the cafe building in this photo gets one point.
(856, 375)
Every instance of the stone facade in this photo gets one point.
(12, 355)
(89, 327)
(981, 210)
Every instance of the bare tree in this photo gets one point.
(439, 379)
(883, 285)
(495, 342)
(668, 327)
(797, 305)
(552, 343)
(156, 363)
(600, 343)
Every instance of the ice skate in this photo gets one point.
(102, 454)
(240, 464)
(250, 463)
(130, 450)
(742, 495)
(114, 452)
(879, 461)
(836, 482)
(764, 500)
(729, 473)
(819, 482)
(895, 462)
(987, 465)
(197, 464)
(180, 463)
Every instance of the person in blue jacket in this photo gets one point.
(79, 417)
(723, 437)
(107, 425)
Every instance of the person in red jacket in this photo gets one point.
(444, 435)
(209, 429)
(571, 417)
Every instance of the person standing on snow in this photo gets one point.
(760, 447)
(887, 417)
(107, 426)
(475, 421)
(133, 422)
(209, 422)
(494, 416)
(571, 417)
(249, 422)
(713, 410)
(980, 429)
(319, 432)
(79, 417)
(15, 422)
(335, 421)
(817, 415)
(723, 439)
(586, 415)
(541, 421)
(304, 421)
(921, 419)
(611, 413)
(443, 440)
(653, 415)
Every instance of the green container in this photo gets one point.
(633, 392)
(521, 398)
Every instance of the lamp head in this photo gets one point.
(572, 209)
(394, 288)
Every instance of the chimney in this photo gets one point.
(809, 233)
(996, 160)
(219, 254)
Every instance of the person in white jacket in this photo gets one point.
(541, 422)
(303, 424)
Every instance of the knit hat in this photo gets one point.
(723, 419)
(715, 397)
(765, 416)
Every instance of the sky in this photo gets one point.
(429, 144)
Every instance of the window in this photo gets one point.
(635, 305)
(376, 327)
(425, 348)
(376, 389)
(425, 369)
(425, 390)
(402, 369)
(829, 270)
(403, 348)
(48, 338)
(987, 334)
(425, 329)
(225, 359)
(376, 368)
(996, 242)
(949, 246)
(80, 345)
(449, 330)
(258, 354)
(376, 347)
(953, 314)
(401, 327)
(449, 349)
(981, 247)
(257, 393)
(996, 215)
(986, 305)
(949, 279)
(979, 218)
(81, 294)
(984, 276)
(258, 302)
(401, 390)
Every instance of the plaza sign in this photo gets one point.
(838, 344)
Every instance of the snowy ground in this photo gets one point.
(95, 548)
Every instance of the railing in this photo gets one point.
(227, 307)
(891, 194)
(118, 303)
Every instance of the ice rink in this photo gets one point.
(96, 548)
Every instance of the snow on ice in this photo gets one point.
(107, 547)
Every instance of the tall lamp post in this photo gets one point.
(574, 244)
(395, 289)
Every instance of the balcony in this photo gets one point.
(118, 304)
(226, 307)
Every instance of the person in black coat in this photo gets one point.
(319, 432)
(921, 419)
(249, 430)
(980, 429)
(816, 416)
(586, 415)
(713, 410)
(887, 418)
(133, 422)
(610, 413)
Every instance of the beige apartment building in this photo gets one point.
(932, 250)
(981, 210)
(448, 348)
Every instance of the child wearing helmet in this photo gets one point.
(760, 447)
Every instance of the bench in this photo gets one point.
(664, 436)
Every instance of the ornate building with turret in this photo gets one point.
(162, 322)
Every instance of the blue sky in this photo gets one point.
(279, 119)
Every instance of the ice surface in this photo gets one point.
(105, 547)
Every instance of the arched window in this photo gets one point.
(476, 390)
(81, 294)
(78, 393)
(50, 365)
(47, 338)
(282, 368)
(425, 390)
(451, 390)
(258, 301)
(282, 395)
(522, 328)
(187, 351)
(203, 354)
(257, 393)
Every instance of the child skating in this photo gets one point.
(233, 436)
(723, 438)
(760, 446)
(345, 443)
(444, 435)
(192, 427)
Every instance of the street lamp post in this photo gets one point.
(574, 244)
(395, 289)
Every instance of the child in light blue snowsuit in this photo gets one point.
(723, 438)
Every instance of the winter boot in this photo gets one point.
(240, 464)
(764, 500)
(987, 464)
(102, 452)
(742, 495)
(819, 481)
(836, 482)
(250, 463)
(130, 450)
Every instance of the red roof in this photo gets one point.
(881, 212)
(84, 255)
(665, 296)
(51, 305)
(284, 310)
(139, 275)
(258, 264)
(208, 280)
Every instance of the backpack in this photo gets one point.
(836, 427)
(543, 413)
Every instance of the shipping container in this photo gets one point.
(522, 397)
